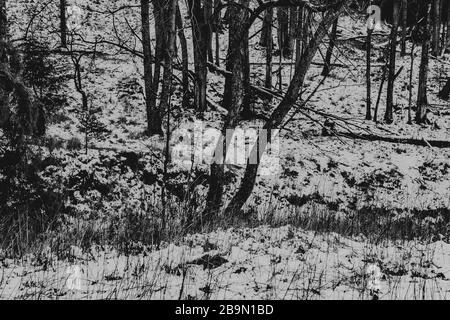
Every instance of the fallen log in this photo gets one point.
(400, 140)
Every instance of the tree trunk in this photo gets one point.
(184, 58)
(368, 74)
(4, 95)
(170, 26)
(436, 27)
(293, 19)
(217, 28)
(283, 32)
(171, 31)
(289, 100)
(155, 124)
(422, 100)
(269, 49)
(63, 22)
(234, 99)
(404, 26)
(448, 25)
(267, 23)
(327, 67)
(201, 33)
(153, 120)
(389, 115)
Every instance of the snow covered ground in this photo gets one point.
(258, 263)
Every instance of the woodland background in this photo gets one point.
(95, 96)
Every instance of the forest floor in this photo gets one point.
(313, 239)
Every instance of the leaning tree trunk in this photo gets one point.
(422, 100)
(327, 68)
(286, 104)
(389, 115)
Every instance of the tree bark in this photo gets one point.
(63, 22)
(422, 100)
(153, 119)
(448, 26)
(4, 94)
(267, 23)
(155, 124)
(234, 99)
(283, 32)
(327, 68)
(201, 33)
(184, 58)
(368, 75)
(269, 49)
(389, 115)
(436, 27)
(404, 27)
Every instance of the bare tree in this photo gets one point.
(422, 100)
(201, 32)
(184, 58)
(269, 49)
(332, 37)
(389, 115)
(63, 22)
(404, 27)
(436, 27)
(368, 74)
(4, 94)
(153, 118)
(234, 99)
(333, 10)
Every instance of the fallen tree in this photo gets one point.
(401, 140)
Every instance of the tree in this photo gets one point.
(422, 100)
(269, 49)
(389, 115)
(283, 33)
(267, 24)
(201, 32)
(333, 10)
(234, 100)
(327, 67)
(368, 73)
(184, 58)
(19, 120)
(4, 94)
(436, 27)
(404, 27)
(63, 22)
(153, 118)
